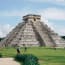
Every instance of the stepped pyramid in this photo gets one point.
(32, 32)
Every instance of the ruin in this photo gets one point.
(32, 32)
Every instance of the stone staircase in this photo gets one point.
(12, 35)
(47, 40)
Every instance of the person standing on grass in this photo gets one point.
(25, 48)
(18, 50)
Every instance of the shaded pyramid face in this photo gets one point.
(32, 32)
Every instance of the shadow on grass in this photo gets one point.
(55, 59)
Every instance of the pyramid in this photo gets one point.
(32, 32)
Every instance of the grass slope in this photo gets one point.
(47, 56)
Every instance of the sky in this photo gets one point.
(52, 13)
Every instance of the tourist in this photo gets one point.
(18, 50)
(25, 48)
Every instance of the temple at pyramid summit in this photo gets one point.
(32, 32)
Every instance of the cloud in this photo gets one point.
(5, 29)
(57, 2)
(60, 30)
(49, 13)
(11, 13)
(47, 0)
(53, 13)
(21, 13)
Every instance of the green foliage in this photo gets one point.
(1, 39)
(20, 57)
(63, 37)
(31, 60)
(27, 59)
(0, 55)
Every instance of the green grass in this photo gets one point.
(47, 56)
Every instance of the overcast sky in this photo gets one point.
(52, 12)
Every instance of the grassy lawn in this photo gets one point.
(47, 56)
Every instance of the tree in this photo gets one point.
(63, 37)
(1, 39)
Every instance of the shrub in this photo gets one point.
(0, 55)
(27, 59)
(20, 58)
(31, 60)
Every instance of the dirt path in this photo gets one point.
(8, 61)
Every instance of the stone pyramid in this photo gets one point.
(32, 32)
